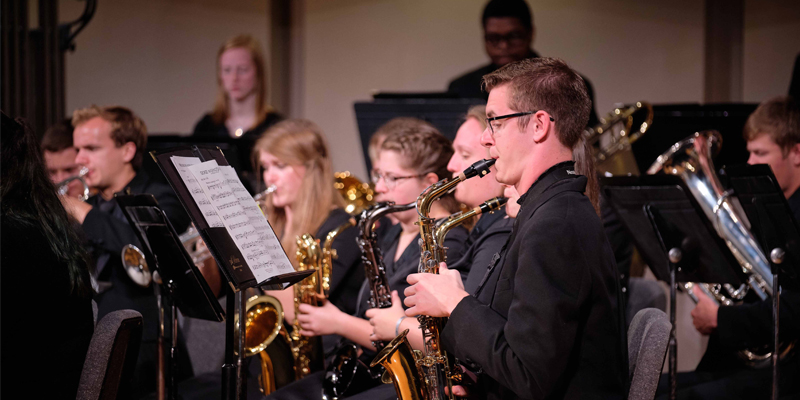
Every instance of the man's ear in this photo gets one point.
(128, 151)
(539, 126)
(430, 178)
(794, 155)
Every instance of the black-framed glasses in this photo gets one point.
(512, 39)
(507, 116)
(390, 180)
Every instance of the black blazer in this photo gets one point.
(546, 321)
(485, 240)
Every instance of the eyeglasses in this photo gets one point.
(512, 39)
(389, 180)
(492, 126)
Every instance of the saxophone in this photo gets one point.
(307, 351)
(346, 369)
(433, 368)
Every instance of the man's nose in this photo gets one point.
(81, 158)
(751, 159)
(486, 138)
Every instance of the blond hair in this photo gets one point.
(299, 142)
(220, 112)
(125, 127)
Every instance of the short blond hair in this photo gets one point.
(125, 127)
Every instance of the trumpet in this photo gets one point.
(262, 197)
(63, 186)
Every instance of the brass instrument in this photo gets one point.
(346, 368)
(307, 351)
(691, 159)
(357, 195)
(63, 186)
(135, 265)
(263, 325)
(433, 368)
(611, 144)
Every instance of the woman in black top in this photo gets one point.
(295, 159)
(47, 294)
(241, 112)
(412, 157)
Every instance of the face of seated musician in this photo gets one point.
(506, 39)
(61, 165)
(287, 179)
(785, 163)
(109, 164)
(399, 184)
(468, 150)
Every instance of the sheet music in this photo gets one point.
(239, 213)
(209, 212)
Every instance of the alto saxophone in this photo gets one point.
(307, 351)
(433, 368)
(346, 369)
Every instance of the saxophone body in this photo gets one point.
(426, 375)
(307, 351)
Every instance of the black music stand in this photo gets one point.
(229, 260)
(674, 237)
(775, 228)
(181, 282)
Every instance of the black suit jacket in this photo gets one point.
(546, 321)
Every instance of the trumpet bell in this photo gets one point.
(136, 266)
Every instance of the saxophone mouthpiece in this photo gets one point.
(493, 204)
(480, 168)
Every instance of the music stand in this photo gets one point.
(181, 281)
(674, 237)
(229, 260)
(775, 228)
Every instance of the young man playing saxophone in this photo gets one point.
(546, 321)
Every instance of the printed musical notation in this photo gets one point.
(182, 164)
(225, 197)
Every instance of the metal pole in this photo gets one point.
(675, 256)
(776, 256)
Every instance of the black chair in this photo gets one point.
(648, 336)
(111, 359)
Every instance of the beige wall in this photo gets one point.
(771, 44)
(629, 50)
(156, 57)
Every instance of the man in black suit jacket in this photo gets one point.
(111, 143)
(546, 322)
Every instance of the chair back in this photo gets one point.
(112, 355)
(648, 336)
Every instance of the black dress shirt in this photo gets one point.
(547, 322)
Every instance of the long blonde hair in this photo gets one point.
(220, 113)
(298, 142)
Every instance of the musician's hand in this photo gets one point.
(384, 320)
(75, 207)
(458, 390)
(704, 315)
(318, 321)
(435, 295)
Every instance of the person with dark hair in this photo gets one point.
(546, 322)
(772, 133)
(40, 250)
(508, 34)
(59, 156)
(111, 143)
